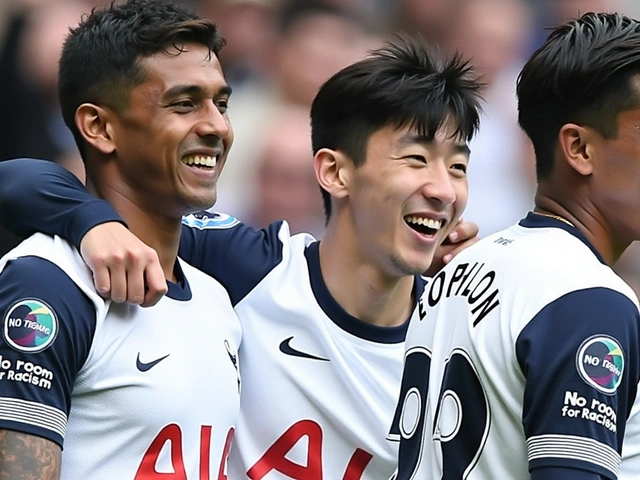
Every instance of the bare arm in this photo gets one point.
(28, 457)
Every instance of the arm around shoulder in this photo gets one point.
(38, 195)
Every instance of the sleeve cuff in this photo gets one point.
(88, 215)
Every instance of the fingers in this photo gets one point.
(458, 248)
(124, 268)
(155, 285)
(463, 235)
(463, 231)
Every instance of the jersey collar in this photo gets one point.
(181, 289)
(533, 220)
(344, 320)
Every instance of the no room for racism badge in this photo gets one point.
(30, 326)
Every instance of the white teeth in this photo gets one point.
(427, 222)
(201, 160)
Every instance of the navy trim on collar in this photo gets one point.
(344, 320)
(181, 289)
(535, 220)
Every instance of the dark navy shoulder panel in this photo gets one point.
(237, 255)
(48, 325)
(40, 196)
(580, 356)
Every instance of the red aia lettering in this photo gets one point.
(275, 456)
(358, 462)
(147, 469)
(173, 434)
(225, 455)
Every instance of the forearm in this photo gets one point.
(27, 457)
(37, 195)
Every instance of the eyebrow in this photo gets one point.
(179, 90)
(408, 140)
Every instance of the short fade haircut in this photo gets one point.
(100, 61)
(406, 83)
(582, 74)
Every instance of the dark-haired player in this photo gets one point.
(324, 322)
(131, 393)
(525, 359)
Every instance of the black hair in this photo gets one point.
(582, 74)
(406, 83)
(100, 58)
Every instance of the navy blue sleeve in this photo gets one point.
(40, 196)
(580, 356)
(235, 254)
(565, 474)
(47, 328)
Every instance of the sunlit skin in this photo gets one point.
(179, 110)
(616, 189)
(595, 184)
(403, 175)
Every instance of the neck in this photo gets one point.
(362, 289)
(162, 233)
(587, 220)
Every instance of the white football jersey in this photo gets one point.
(129, 392)
(525, 354)
(319, 386)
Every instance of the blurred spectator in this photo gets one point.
(313, 40)
(431, 18)
(316, 39)
(31, 123)
(495, 36)
(284, 177)
(249, 27)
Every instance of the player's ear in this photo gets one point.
(578, 146)
(94, 124)
(333, 171)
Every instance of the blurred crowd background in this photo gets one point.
(278, 53)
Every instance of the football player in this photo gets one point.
(324, 321)
(524, 360)
(130, 392)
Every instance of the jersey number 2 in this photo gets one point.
(462, 415)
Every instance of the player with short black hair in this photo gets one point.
(525, 359)
(324, 321)
(129, 392)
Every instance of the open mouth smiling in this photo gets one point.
(424, 226)
(200, 161)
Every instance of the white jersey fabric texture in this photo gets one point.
(319, 386)
(525, 354)
(130, 392)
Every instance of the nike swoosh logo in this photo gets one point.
(287, 349)
(145, 367)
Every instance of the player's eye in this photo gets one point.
(183, 104)
(460, 166)
(222, 104)
(419, 158)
